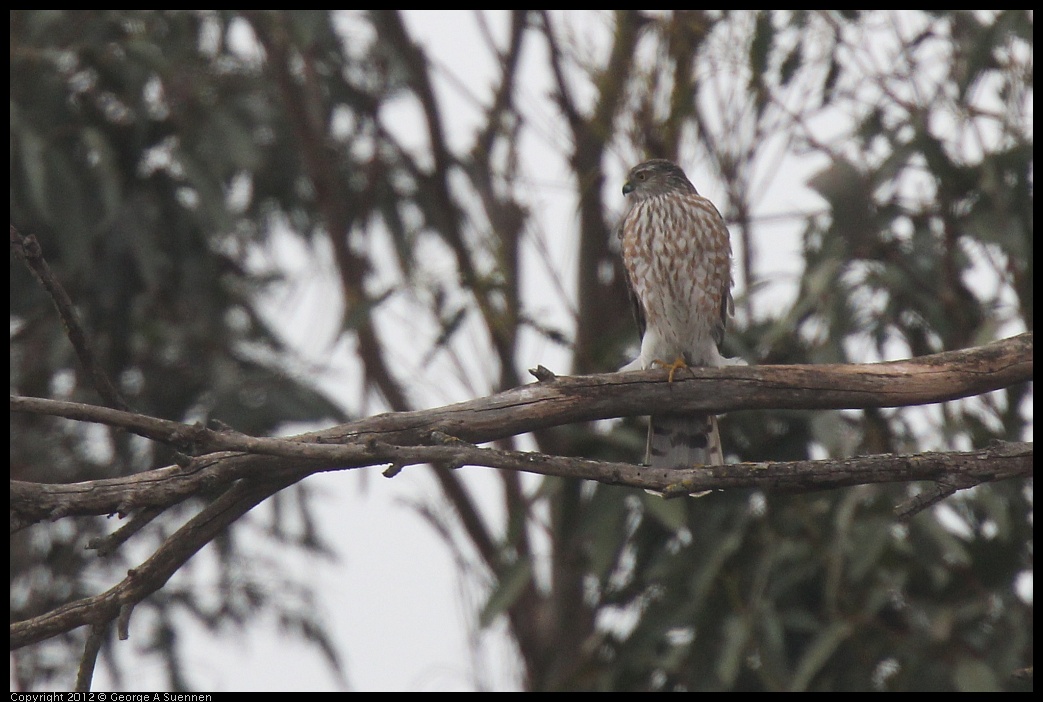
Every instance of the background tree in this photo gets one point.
(158, 155)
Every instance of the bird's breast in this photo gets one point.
(677, 256)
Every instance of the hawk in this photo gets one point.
(677, 256)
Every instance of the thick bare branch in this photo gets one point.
(153, 573)
(34, 501)
(441, 435)
(568, 399)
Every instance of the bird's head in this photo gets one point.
(656, 177)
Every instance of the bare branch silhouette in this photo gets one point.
(250, 469)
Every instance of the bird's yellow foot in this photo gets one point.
(678, 363)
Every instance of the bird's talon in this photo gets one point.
(678, 363)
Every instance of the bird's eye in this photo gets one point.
(642, 176)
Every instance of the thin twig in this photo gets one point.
(106, 545)
(95, 638)
(28, 249)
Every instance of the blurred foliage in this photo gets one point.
(153, 152)
(130, 144)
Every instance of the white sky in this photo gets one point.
(395, 601)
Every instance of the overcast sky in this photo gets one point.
(395, 600)
(396, 603)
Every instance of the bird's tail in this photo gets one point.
(683, 441)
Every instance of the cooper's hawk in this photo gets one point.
(677, 256)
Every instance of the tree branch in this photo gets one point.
(444, 435)
(27, 248)
(251, 468)
(154, 572)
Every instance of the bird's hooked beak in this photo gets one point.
(628, 188)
